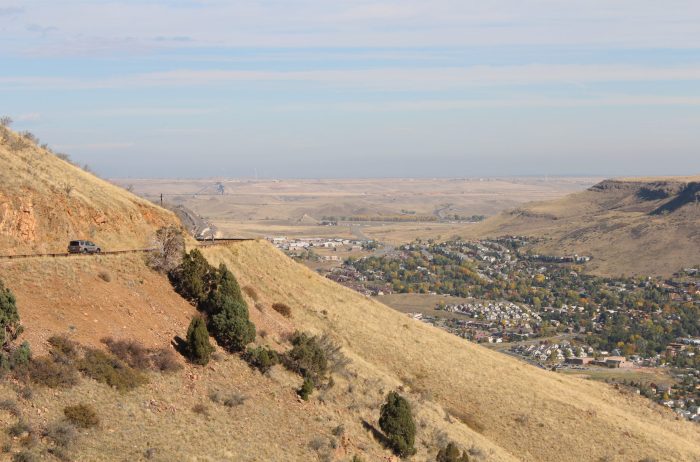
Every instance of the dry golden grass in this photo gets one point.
(460, 391)
(45, 202)
(68, 296)
(270, 425)
(567, 418)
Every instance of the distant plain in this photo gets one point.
(392, 210)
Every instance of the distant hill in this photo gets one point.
(46, 201)
(644, 226)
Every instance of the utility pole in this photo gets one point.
(161, 199)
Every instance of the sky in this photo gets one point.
(357, 88)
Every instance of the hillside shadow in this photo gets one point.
(650, 194)
(689, 194)
(180, 345)
(376, 434)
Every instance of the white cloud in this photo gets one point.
(517, 102)
(94, 146)
(438, 79)
(134, 27)
(144, 112)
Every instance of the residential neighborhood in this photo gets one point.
(543, 309)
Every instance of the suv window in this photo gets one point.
(74, 243)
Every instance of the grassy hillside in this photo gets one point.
(630, 226)
(46, 201)
(533, 414)
(497, 406)
(174, 417)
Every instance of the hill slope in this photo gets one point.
(630, 226)
(533, 414)
(500, 407)
(46, 201)
(69, 297)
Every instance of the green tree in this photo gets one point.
(10, 327)
(224, 289)
(396, 421)
(231, 327)
(199, 349)
(192, 277)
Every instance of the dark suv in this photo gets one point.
(83, 247)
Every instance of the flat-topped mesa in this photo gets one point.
(661, 188)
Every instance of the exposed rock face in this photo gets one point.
(17, 218)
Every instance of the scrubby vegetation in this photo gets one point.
(283, 309)
(307, 387)
(261, 358)
(16, 358)
(199, 349)
(82, 415)
(12, 357)
(169, 246)
(451, 453)
(137, 356)
(50, 373)
(227, 399)
(63, 350)
(107, 369)
(165, 360)
(306, 357)
(10, 329)
(396, 421)
(131, 352)
(62, 434)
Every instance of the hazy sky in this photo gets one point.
(322, 88)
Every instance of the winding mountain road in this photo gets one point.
(207, 243)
